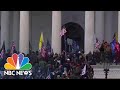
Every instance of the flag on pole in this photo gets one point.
(3, 46)
(3, 50)
(113, 44)
(97, 44)
(63, 31)
(115, 36)
(43, 51)
(41, 41)
(2, 54)
(13, 48)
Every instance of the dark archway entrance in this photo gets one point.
(74, 32)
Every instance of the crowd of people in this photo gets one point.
(67, 65)
(105, 51)
(55, 66)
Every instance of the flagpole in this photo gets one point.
(65, 46)
(62, 33)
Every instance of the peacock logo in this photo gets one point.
(17, 62)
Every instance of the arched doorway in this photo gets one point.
(75, 33)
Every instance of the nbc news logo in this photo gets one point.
(17, 65)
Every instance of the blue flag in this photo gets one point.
(113, 46)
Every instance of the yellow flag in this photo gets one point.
(116, 36)
(41, 41)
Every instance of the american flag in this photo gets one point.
(97, 44)
(63, 31)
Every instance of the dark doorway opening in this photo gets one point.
(75, 33)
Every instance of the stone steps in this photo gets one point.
(114, 72)
(102, 66)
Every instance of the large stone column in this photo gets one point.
(24, 32)
(5, 28)
(16, 26)
(89, 31)
(99, 25)
(108, 26)
(56, 27)
(119, 26)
